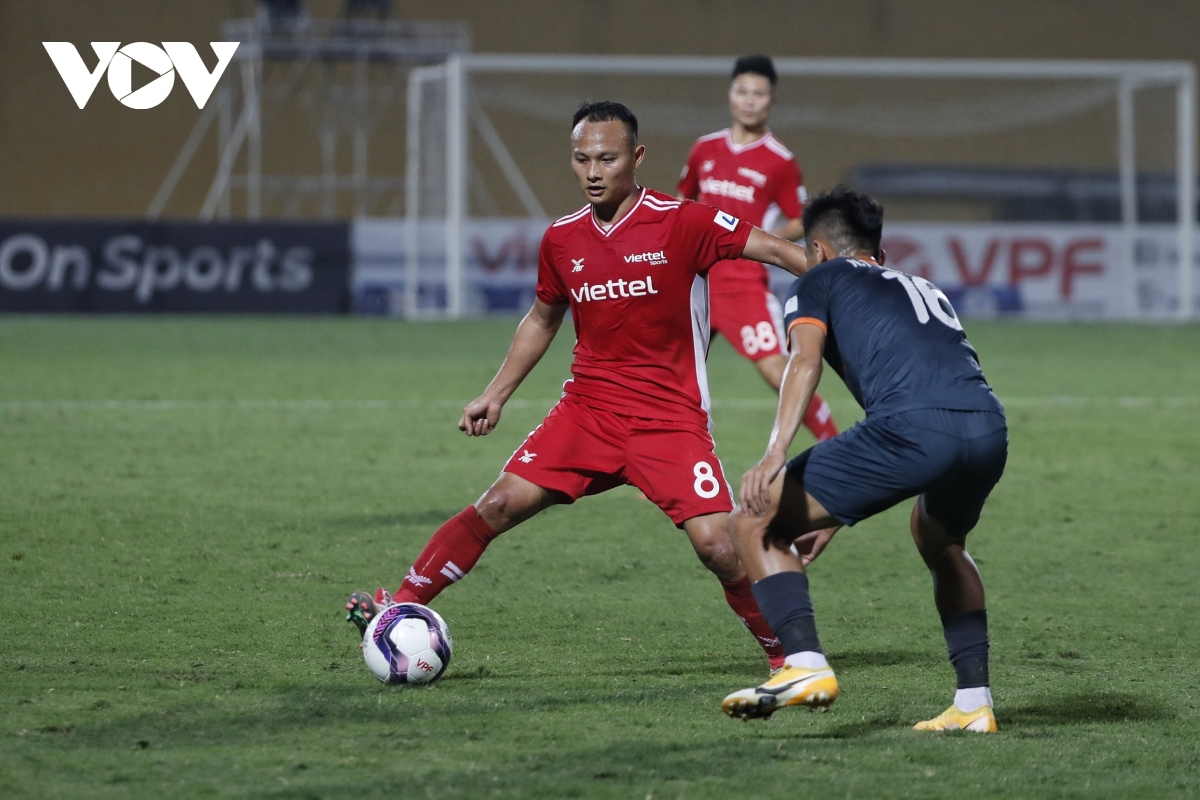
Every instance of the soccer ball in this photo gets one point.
(407, 643)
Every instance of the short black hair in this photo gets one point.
(606, 111)
(755, 65)
(847, 219)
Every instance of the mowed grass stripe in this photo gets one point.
(172, 576)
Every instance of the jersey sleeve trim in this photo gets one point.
(569, 218)
(808, 321)
(776, 147)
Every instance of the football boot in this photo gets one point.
(791, 686)
(981, 720)
(361, 608)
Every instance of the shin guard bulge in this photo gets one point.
(449, 555)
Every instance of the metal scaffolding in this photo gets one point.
(343, 77)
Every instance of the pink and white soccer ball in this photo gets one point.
(407, 643)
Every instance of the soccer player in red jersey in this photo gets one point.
(745, 171)
(631, 267)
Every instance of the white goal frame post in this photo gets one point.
(456, 73)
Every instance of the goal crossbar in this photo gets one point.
(1158, 72)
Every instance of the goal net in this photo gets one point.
(1048, 189)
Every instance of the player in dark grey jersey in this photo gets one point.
(933, 429)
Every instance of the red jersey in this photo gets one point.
(755, 182)
(638, 293)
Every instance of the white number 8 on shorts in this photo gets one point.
(706, 485)
(759, 337)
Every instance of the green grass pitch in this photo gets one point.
(186, 504)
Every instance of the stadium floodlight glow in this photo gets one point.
(1128, 77)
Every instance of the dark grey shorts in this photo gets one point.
(951, 458)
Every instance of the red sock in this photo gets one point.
(819, 419)
(450, 554)
(741, 600)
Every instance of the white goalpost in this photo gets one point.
(443, 108)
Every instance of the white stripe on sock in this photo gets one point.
(452, 571)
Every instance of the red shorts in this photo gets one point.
(579, 450)
(745, 311)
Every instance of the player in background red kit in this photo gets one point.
(631, 266)
(747, 172)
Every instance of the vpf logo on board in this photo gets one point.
(117, 61)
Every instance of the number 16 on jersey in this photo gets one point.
(926, 299)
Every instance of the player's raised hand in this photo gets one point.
(480, 416)
(755, 494)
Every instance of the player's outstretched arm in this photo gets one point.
(529, 344)
(770, 249)
(800, 379)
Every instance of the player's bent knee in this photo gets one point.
(931, 536)
(502, 509)
(771, 368)
(709, 537)
(717, 553)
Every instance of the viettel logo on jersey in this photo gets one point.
(656, 258)
(730, 189)
(611, 290)
(163, 61)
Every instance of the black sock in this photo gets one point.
(784, 600)
(967, 642)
